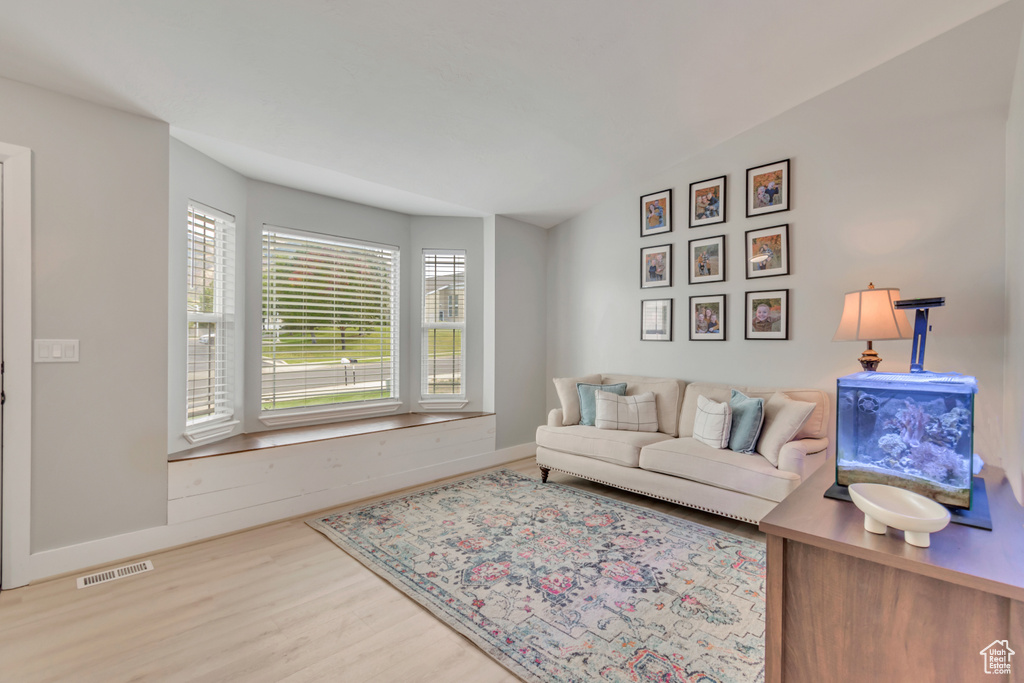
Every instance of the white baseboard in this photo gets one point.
(72, 558)
(523, 450)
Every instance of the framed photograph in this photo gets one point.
(656, 213)
(656, 266)
(768, 251)
(767, 314)
(768, 188)
(656, 320)
(707, 318)
(707, 202)
(707, 260)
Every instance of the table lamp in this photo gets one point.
(870, 315)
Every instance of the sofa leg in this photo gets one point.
(544, 474)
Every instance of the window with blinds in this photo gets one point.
(330, 320)
(444, 323)
(211, 309)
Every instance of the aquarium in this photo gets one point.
(914, 431)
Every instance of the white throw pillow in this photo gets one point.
(712, 423)
(628, 413)
(565, 387)
(783, 418)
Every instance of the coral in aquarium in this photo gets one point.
(893, 445)
(911, 422)
(918, 441)
(939, 463)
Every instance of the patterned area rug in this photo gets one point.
(562, 585)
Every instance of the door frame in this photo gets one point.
(16, 462)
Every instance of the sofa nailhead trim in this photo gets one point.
(650, 495)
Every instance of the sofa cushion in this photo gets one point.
(783, 418)
(712, 422)
(588, 400)
(629, 413)
(688, 458)
(667, 393)
(747, 420)
(621, 448)
(565, 387)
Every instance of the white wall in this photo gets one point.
(446, 232)
(520, 330)
(99, 460)
(197, 177)
(1013, 408)
(898, 179)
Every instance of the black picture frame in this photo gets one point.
(655, 271)
(707, 318)
(767, 251)
(706, 261)
(703, 212)
(768, 182)
(656, 320)
(778, 327)
(656, 207)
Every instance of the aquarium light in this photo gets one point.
(921, 326)
(870, 315)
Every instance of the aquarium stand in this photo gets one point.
(978, 516)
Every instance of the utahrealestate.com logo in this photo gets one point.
(997, 657)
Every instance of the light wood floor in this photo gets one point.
(277, 603)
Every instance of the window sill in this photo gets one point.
(199, 434)
(323, 432)
(290, 418)
(443, 403)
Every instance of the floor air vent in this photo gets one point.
(114, 574)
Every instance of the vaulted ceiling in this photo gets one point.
(533, 109)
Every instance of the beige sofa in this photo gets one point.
(671, 464)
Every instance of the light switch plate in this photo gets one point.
(55, 350)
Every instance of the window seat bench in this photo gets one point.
(298, 435)
(253, 479)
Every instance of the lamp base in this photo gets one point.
(870, 359)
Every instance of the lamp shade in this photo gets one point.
(869, 315)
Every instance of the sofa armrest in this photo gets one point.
(555, 417)
(803, 456)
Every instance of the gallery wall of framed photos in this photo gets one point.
(764, 313)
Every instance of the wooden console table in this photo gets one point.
(847, 605)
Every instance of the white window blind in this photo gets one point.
(330, 320)
(444, 323)
(211, 309)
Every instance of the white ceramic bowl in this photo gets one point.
(884, 506)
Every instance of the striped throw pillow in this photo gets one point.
(712, 422)
(628, 413)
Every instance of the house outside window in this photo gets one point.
(443, 328)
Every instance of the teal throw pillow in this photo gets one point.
(588, 399)
(747, 420)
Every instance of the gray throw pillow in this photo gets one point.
(588, 402)
(570, 398)
(747, 420)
